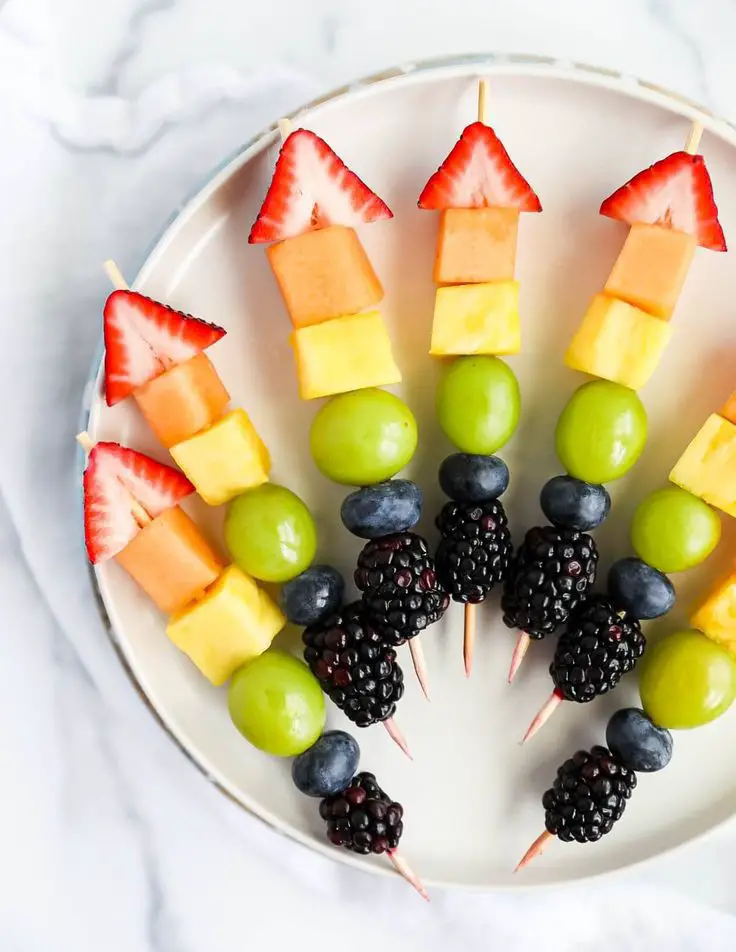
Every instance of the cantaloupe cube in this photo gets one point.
(184, 400)
(707, 468)
(224, 460)
(715, 616)
(347, 353)
(234, 622)
(324, 274)
(618, 342)
(475, 245)
(171, 560)
(651, 268)
(728, 410)
(476, 319)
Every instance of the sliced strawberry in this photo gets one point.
(144, 338)
(478, 173)
(675, 192)
(313, 188)
(116, 478)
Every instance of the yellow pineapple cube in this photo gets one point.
(707, 468)
(231, 624)
(476, 319)
(347, 353)
(618, 342)
(225, 459)
(715, 616)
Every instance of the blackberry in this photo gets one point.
(475, 550)
(401, 593)
(596, 649)
(552, 572)
(588, 796)
(354, 667)
(363, 818)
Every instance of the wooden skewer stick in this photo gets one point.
(522, 646)
(482, 97)
(139, 513)
(420, 664)
(693, 140)
(285, 129)
(396, 736)
(537, 847)
(469, 637)
(116, 276)
(545, 712)
(405, 870)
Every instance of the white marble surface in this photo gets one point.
(110, 113)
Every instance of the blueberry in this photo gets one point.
(311, 596)
(328, 766)
(639, 743)
(573, 504)
(640, 589)
(468, 477)
(383, 509)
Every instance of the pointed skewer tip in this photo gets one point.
(545, 712)
(536, 849)
(405, 870)
(420, 665)
(469, 638)
(522, 646)
(396, 736)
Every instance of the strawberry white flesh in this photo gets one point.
(676, 193)
(116, 482)
(144, 338)
(313, 188)
(478, 173)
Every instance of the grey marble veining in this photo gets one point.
(109, 839)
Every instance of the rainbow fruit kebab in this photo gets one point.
(480, 195)
(602, 430)
(268, 530)
(363, 435)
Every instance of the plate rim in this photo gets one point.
(409, 72)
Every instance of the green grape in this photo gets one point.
(673, 530)
(601, 432)
(270, 533)
(686, 680)
(277, 704)
(478, 404)
(363, 437)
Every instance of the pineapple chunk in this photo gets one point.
(225, 459)
(476, 319)
(707, 468)
(347, 353)
(618, 342)
(715, 616)
(234, 622)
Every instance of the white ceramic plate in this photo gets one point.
(576, 133)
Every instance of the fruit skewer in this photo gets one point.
(263, 512)
(327, 281)
(670, 210)
(480, 195)
(672, 530)
(687, 679)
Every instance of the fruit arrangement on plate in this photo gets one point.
(224, 614)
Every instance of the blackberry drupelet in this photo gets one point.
(355, 668)
(475, 550)
(588, 796)
(363, 818)
(596, 649)
(552, 572)
(401, 592)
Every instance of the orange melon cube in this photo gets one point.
(171, 560)
(729, 408)
(476, 245)
(324, 274)
(183, 401)
(651, 269)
